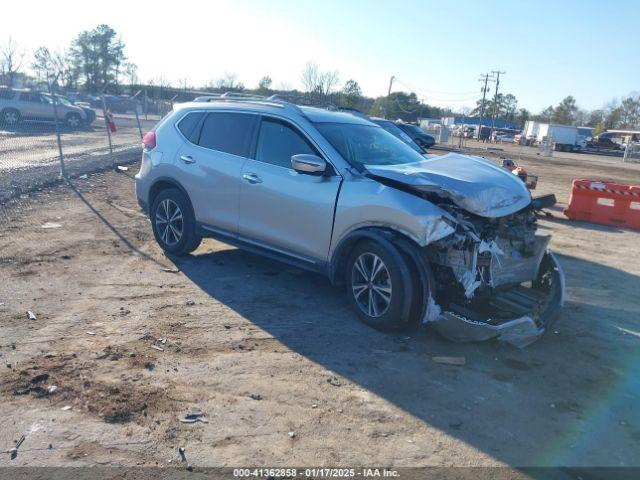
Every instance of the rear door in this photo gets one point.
(31, 106)
(280, 208)
(210, 163)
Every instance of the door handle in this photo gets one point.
(252, 178)
(187, 159)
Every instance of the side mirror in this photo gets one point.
(306, 163)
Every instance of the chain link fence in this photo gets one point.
(632, 152)
(36, 153)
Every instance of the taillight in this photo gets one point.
(149, 141)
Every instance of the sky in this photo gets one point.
(438, 49)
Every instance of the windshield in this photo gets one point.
(414, 128)
(368, 144)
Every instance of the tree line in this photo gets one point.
(95, 62)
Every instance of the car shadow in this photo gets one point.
(553, 403)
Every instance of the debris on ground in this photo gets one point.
(292, 434)
(449, 360)
(90, 333)
(170, 270)
(157, 348)
(51, 225)
(334, 381)
(14, 451)
(194, 416)
(66, 407)
(123, 169)
(255, 396)
(83, 177)
(31, 315)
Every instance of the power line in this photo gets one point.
(427, 93)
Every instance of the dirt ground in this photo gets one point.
(283, 372)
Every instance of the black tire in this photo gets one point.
(10, 117)
(73, 120)
(396, 276)
(164, 206)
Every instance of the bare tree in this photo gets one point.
(11, 59)
(131, 75)
(329, 81)
(318, 83)
(311, 78)
(228, 82)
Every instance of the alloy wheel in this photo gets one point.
(10, 118)
(169, 223)
(371, 285)
(73, 121)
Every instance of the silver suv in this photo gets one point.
(450, 240)
(18, 105)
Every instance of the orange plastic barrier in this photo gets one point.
(605, 203)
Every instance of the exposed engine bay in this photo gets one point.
(494, 272)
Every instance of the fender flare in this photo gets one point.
(169, 180)
(174, 184)
(394, 241)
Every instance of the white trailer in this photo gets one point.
(564, 138)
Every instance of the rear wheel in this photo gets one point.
(378, 284)
(173, 222)
(10, 117)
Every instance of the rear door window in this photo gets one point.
(278, 142)
(189, 124)
(30, 97)
(228, 132)
(6, 94)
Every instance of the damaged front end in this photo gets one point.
(494, 278)
(493, 275)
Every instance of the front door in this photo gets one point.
(280, 208)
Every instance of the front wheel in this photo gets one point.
(378, 285)
(73, 120)
(174, 226)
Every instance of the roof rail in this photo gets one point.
(271, 101)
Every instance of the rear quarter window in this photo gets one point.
(188, 126)
(6, 94)
(228, 132)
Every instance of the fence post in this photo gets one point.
(106, 124)
(146, 106)
(63, 172)
(137, 114)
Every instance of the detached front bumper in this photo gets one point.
(544, 304)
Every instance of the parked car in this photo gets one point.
(603, 142)
(90, 113)
(394, 130)
(418, 135)
(449, 240)
(116, 103)
(18, 105)
(502, 137)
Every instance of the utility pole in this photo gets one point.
(484, 96)
(390, 85)
(384, 113)
(495, 100)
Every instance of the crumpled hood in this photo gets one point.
(472, 183)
